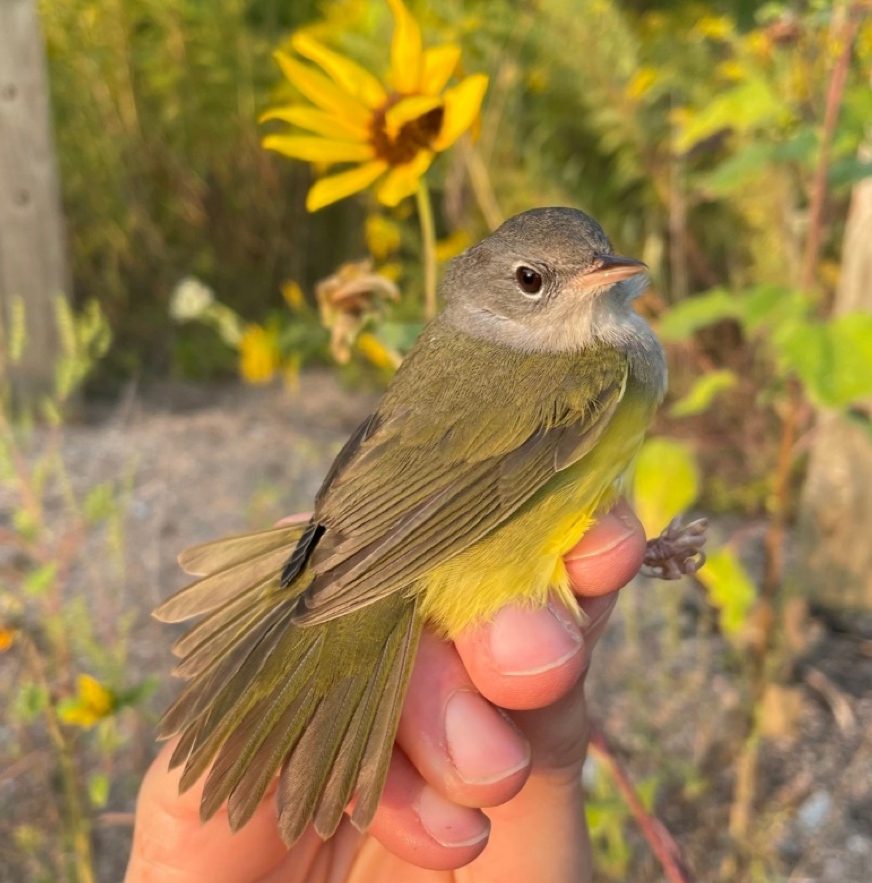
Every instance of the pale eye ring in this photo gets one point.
(529, 281)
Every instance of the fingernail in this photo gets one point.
(484, 747)
(525, 641)
(608, 533)
(448, 823)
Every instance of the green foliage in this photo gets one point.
(704, 391)
(54, 529)
(730, 589)
(666, 482)
(832, 357)
(608, 818)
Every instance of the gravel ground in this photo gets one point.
(203, 462)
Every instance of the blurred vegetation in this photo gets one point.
(714, 140)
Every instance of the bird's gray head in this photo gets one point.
(547, 279)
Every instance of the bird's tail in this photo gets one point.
(320, 703)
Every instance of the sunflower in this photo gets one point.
(389, 131)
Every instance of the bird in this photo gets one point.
(512, 423)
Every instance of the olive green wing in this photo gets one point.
(436, 475)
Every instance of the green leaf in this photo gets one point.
(38, 581)
(698, 312)
(749, 105)
(768, 306)
(399, 335)
(730, 588)
(98, 789)
(30, 701)
(25, 523)
(832, 359)
(666, 482)
(703, 392)
(735, 171)
(99, 503)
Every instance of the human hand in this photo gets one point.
(456, 753)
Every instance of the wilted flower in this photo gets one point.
(390, 131)
(347, 299)
(190, 299)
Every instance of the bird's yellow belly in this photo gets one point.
(523, 559)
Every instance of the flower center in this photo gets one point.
(414, 136)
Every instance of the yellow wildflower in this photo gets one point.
(89, 706)
(258, 354)
(641, 83)
(390, 131)
(731, 69)
(452, 245)
(294, 297)
(760, 44)
(383, 236)
(714, 27)
(377, 352)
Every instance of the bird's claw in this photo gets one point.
(677, 551)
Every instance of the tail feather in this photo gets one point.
(217, 555)
(220, 640)
(216, 621)
(308, 767)
(253, 781)
(343, 776)
(377, 756)
(213, 591)
(253, 730)
(320, 703)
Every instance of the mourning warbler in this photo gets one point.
(511, 424)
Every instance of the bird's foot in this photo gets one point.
(677, 551)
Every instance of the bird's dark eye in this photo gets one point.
(529, 281)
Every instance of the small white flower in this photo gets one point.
(190, 299)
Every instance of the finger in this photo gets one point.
(524, 657)
(171, 844)
(417, 824)
(463, 746)
(609, 555)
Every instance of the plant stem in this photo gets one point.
(482, 186)
(661, 842)
(835, 91)
(428, 247)
(76, 822)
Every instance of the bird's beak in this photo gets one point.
(606, 270)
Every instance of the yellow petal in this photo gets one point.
(402, 181)
(406, 55)
(462, 105)
(329, 125)
(312, 149)
(440, 62)
(322, 91)
(408, 109)
(336, 187)
(347, 74)
(94, 695)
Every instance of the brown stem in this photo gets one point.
(76, 820)
(835, 92)
(661, 842)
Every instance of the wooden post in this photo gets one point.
(32, 248)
